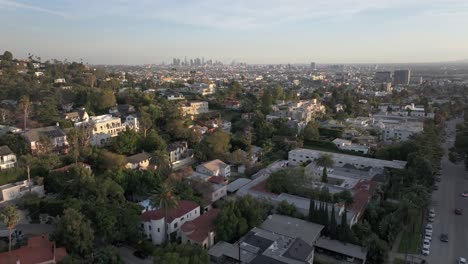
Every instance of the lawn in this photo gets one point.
(410, 242)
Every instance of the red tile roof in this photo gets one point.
(363, 192)
(217, 179)
(199, 228)
(38, 250)
(183, 208)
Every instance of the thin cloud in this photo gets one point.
(18, 5)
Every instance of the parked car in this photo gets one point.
(429, 227)
(428, 237)
(458, 211)
(444, 237)
(462, 260)
(438, 178)
(426, 244)
(425, 252)
(464, 194)
(431, 212)
(140, 254)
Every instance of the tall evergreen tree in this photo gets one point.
(333, 225)
(325, 175)
(312, 210)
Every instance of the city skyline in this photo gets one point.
(256, 32)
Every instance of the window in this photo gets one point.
(182, 219)
(175, 225)
(149, 227)
(158, 230)
(142, 225)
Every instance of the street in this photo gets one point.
(444, 201)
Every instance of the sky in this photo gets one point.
(252, 31)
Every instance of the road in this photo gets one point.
(445, 200)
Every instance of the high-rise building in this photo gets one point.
(384, 76)
(313, 66)
(402, 77)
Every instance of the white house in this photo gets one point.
(349, 145)
(7, 158)
(215, 167)
(16, 190)
(153, 221)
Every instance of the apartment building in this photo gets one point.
(304, 110)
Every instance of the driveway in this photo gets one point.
(445, 200)
(127, 256)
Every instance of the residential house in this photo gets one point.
(179, 154)
(304, 110)
(7, 158)
(60, 80)
(102, 128)
(77, 116)
(131, 122)
(44, 137)
(140, 161)
(279, 239)
(195, 108)
(232, 104)
(38, 250)
(12, 191)
(344, 144)
(153, 221)
(122, 110)
(201, 231)
(211, 187)
(215, 167)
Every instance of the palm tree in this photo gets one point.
(25, 104)
(165, 198)
(10, 217)
(325, 161)
(27, 160)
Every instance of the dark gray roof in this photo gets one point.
(5, 150)
(237, 184)
(340, 247)
(34, 134)
(138, 157)
(257, 241)
(293, 227)
(262, 259)
(299, 250)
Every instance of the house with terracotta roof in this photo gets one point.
(215, 168)
(153, 221)
(212, 188)
(39, 250)
(201, 231)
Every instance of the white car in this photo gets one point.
(426, 244)
(462, 260)
(425, 252)
(429, 227)
(432, 213)
(428, 237)
(430, 219)
(429, 232)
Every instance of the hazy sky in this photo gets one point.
(254, 31)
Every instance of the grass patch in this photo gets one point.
(410, 242)
(399, 261)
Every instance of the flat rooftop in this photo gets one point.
(342, 248)
(350, 159)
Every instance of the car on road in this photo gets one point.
(461, 260)
(140, 254)
(425, 252)
(429, 227)
(464, 194)
(458, 211)
(431, 213)
(426, 244)
(444, 237)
